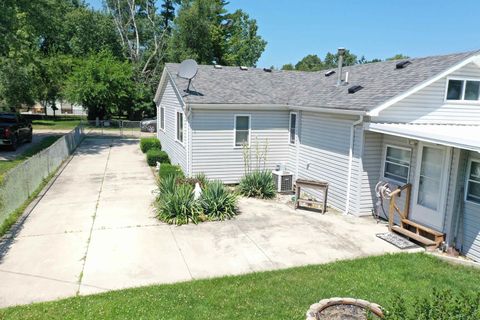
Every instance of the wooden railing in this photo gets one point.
(393, 204)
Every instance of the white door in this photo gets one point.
(430, 186)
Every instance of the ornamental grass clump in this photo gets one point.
(258, 184)
(149, 143)
(217, 202)
(176, 203)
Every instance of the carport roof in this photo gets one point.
(381, 82)
(459, 136)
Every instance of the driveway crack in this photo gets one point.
(80, 276)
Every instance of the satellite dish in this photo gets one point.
(188, 69)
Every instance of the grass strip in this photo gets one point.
(282, 294)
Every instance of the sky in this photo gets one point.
(373, 28)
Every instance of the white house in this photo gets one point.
(415, 121)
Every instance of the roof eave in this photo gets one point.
(286, 107)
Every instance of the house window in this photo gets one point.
(397, 164)
(180, 126)
(293, 127)
(242, 130)
(473, 181)
(162, 117)
(463, 90)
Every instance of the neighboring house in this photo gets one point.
(63, 108)
(418, 123)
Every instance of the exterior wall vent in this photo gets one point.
(402, 64)
(329, 73)
(354, 89)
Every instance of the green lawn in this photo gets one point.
(34, 149)
(285, 294)
(60, 124)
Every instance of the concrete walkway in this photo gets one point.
(95, 230)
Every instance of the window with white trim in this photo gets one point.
(397, 163)
(242, 130)
(293, 127)
(162, 117)
(180, 126)
(463, 90)
(473, 181)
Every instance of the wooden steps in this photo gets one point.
(412, 235)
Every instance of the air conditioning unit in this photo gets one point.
(283, 181)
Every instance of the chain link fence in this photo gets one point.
(19, 183)
(115, 129)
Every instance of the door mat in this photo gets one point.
(397, 240)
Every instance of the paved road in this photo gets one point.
(95, 230)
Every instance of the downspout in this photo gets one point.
(350, 161)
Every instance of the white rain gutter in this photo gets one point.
(350, 161)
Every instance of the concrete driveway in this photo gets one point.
(95, 230)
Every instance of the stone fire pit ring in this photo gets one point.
(316, 309)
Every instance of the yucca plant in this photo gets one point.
(176, 205)
(217, 202)
(258, 184)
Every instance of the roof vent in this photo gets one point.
(243, 68)
(354, 89)
(217, 66)
(329, 73)
(402, 64)
(267, 69)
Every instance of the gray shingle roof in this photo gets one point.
(381, 81)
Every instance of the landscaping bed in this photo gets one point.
(285, 294)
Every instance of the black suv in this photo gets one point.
(14, 129)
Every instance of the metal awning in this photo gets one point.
(458, 136)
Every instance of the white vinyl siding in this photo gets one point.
(429, 104)
(323, 154)
(372, 161)
(213, 139)
(471, 216)
(175, 150)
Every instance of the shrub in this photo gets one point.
(440, 305)
(149, 143)
(176, 204)
(157, 155)
(258, 184)
(167, 169)
(217, 202)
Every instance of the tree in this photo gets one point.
(168, 13)
(331, 60)
(398, 56)
(310, 63)
(288, 66)
(102, 84)
(243, 47)
(50, 76)
(364, 60)
(206, 32)
(142, 36)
